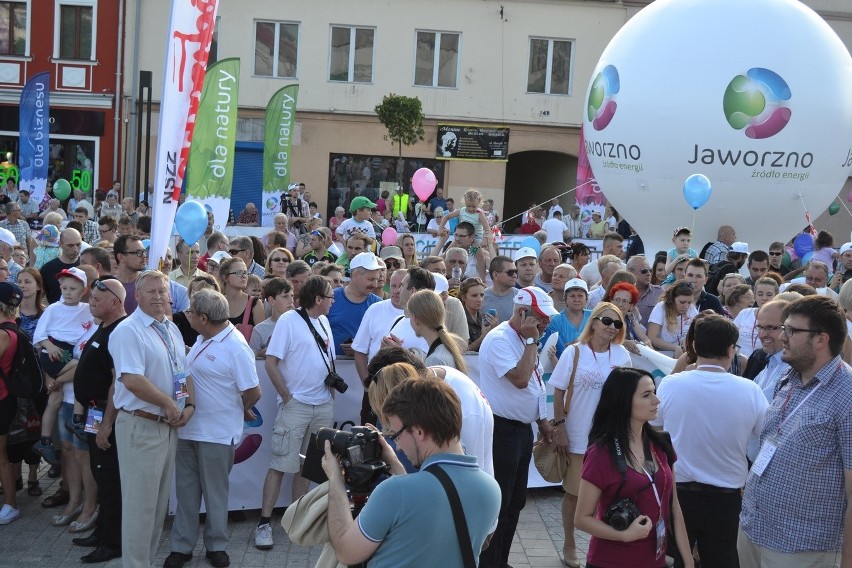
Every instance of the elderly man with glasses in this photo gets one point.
(16, 223)
(649, 294)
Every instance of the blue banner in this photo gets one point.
(34, 153)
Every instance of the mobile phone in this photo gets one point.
(492, 312)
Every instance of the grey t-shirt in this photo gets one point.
(503, 304)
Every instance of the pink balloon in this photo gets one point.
(849, 196)
(389, 236)
(424, 181)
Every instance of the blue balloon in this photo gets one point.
(191, 221)
(807, 257)
(803, 244)
(532, 243)
(146, 243)
(697, 190)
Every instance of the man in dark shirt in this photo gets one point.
(93, 388)
(696, 274)
(69, 256)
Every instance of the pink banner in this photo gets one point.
(190, 32)
(589, 196)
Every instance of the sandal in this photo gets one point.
(33, 489)
(61, 497)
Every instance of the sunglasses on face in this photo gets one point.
(239, 273)
(608, 321)
(644, 271)
(233, 252)
(392, 264)
(279, 259)
(99, 284)
(511, 273)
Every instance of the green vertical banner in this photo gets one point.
(278, 135)
(211, 155)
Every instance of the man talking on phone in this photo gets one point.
(511, 378)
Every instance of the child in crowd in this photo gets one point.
(278, 294)
(60, 328)
(254, 287)
(48, 245)
(472, 214)
(681, 251)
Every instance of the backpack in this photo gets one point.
(716, 273)
(26, 379)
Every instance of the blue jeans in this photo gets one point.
(512, 452)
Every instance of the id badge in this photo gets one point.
(94, 418)
(542, 405)
(661, 537)
(181, 392)
(767, 450)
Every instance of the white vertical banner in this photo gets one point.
(190, 32)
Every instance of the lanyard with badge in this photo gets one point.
(180, 389)
(770, 446)
(660, 527)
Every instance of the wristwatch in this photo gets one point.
(531, 341)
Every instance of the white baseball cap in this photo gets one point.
(365, 260)
(576, 283)
(219, 256)
(7, 237)
(73, 272)
(739, 248)
(525, 252)
(441, 284)
(537, 299)
(845, 247)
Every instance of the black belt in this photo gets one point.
(515, 423)
(705, 488)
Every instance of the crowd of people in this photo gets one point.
(741, 456)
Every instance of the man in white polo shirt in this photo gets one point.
(511, 378)
(154, 397)
(299, 357)
(226, 386)
(711, 416)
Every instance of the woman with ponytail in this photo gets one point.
(427, 320)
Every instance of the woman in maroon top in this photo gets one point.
(627, 460)
(10, 299)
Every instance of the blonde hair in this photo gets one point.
(586, 335)
(473, 195)
(409, 262)
(429, 310)
(384, 383)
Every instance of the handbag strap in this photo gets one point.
(570, 392)
(247, 312)
(458, 515)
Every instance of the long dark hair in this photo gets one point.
(612, 416)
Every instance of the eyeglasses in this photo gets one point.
(768, 328)
(100, 285)
(644, 271)
(790, 331)
(393, 437)
(511, 273)
(279, 259)
(608, 321)
(240, 273)
(392, 263)
(233, 252)
(107, 230)
(775, 253)
(139, 253)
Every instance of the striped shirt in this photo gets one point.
(798, 503)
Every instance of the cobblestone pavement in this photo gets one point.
(32, 541)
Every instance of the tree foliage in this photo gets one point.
(403, 118)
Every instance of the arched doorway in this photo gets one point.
(536, 177)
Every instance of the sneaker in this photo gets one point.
(9, 514)
(263, 537)
(47, 451)
(77, 428)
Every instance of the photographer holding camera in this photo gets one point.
(300, 363)
(408, 519)
(627, 495)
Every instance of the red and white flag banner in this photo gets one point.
(190, 32)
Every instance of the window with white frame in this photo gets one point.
(550, 66)
(436, 61)
(351, 54)
(276, 49)
(75, 29)
(13, 28)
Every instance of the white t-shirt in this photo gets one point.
(593, 369)
(350, 226)
(221, 368)
(711, 416)
(681, 326)
(375, 325)
(554, 229)
(64, 323)
(499, 353)
(405, 333)
(477, 431)
(138, 349)
(749, 339)
(300, 360)
(433, 226)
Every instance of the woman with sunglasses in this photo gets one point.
(409, 249)
(598, 351)
(277, 262)
(626, 458)
(479, 324)
(233, 276)
(669, 320)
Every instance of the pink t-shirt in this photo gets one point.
(600, 470)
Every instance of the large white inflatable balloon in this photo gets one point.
(756, 95)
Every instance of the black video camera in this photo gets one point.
(336, 382)
(360, 455)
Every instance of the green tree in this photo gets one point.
(403, 118)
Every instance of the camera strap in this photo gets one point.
(621, 463)
(321, 343)
(458, 515)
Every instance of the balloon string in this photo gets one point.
(840, 201)
(692, 229)
(504, 221)
(807, 216)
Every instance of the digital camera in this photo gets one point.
(336, 382)
(360, 455)
(620, 515)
